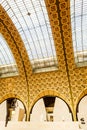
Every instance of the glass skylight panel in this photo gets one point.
(8, 66)
(79, 30)
(31, 20)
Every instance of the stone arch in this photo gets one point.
(11, 95)
(49, 93)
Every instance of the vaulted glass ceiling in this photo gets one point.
(31, 20)
(8, 65)
(79, 30)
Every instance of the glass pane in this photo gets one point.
(8, 65)
(31, 20)
(79, 30)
